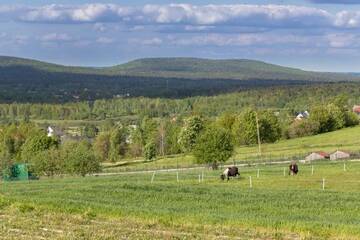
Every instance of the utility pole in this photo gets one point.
(258, 133)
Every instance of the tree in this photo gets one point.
(189, 133)
(118, 145)
(102, 146)
(148, 130)
(90, 131)
(150, 151)
(245, 129)
(48, 162)
(213, 146)
(35, 144)
(79, 158)
(270, 130)
(227, 120)
(302, 128)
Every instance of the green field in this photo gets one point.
(131, 206)
(346, 139)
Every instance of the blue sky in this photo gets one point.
(319, 35)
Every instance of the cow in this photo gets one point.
(293, 168)
(230, 172)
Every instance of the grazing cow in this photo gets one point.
(230, 172)
(293, 168)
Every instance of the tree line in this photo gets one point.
(292, 99)
(210, 139)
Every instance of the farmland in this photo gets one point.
(346, 140)
(130, 205)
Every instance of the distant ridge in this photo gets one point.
(36, 81)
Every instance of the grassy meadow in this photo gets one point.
(134, 206)
(346, 139)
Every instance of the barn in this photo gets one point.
(339, 155)
(317, 156)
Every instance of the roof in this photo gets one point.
(324, 154)
(338, 151)
(356, 109)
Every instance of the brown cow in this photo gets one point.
(293, 168)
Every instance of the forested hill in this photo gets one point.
(24, 80)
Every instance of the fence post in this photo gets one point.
(323, 184)
(284, 172)
(250, 181)
(199, 178)
(344, 167)
(312, 169)
(258, 173)
(202, 176)
(153, 177)
(177, 176)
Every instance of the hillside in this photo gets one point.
(239, 69)
(24, 80)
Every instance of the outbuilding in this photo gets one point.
(339, 155)
(317, 156)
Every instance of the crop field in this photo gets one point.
(322, 202)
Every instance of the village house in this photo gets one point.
(339, 155)
(302, 115)
(356, 109)
(317, 156)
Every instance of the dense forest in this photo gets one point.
(287, 100)
(23, 80)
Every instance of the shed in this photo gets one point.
(16, 172)
(317, 156)
(339, 155)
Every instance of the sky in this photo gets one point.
(320, 35)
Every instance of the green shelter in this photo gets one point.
(17, 172)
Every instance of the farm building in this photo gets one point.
(339, 155)
(317, 156)
(356, 109)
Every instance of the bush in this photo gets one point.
(79, 158)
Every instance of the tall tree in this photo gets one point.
(190, 131)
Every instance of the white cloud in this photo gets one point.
(241, 39)
(347, 19)
(337, 40)
(56, 37)
(150, 42)
(100, 27)
(104, 40)
(187, 14)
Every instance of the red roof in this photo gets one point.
(324, 154)
(356, 109)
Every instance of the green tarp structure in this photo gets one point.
(17, 172)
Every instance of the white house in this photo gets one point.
(339, 155)
(50, 132)
(302, 115)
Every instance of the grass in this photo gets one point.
(276, 207)
(345, 139)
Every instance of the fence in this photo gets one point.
(311, 177)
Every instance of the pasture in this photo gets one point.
(345, 139)
(190, 204)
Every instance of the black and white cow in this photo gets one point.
(230, 172)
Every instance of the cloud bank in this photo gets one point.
(335, 1)
(186, 14)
